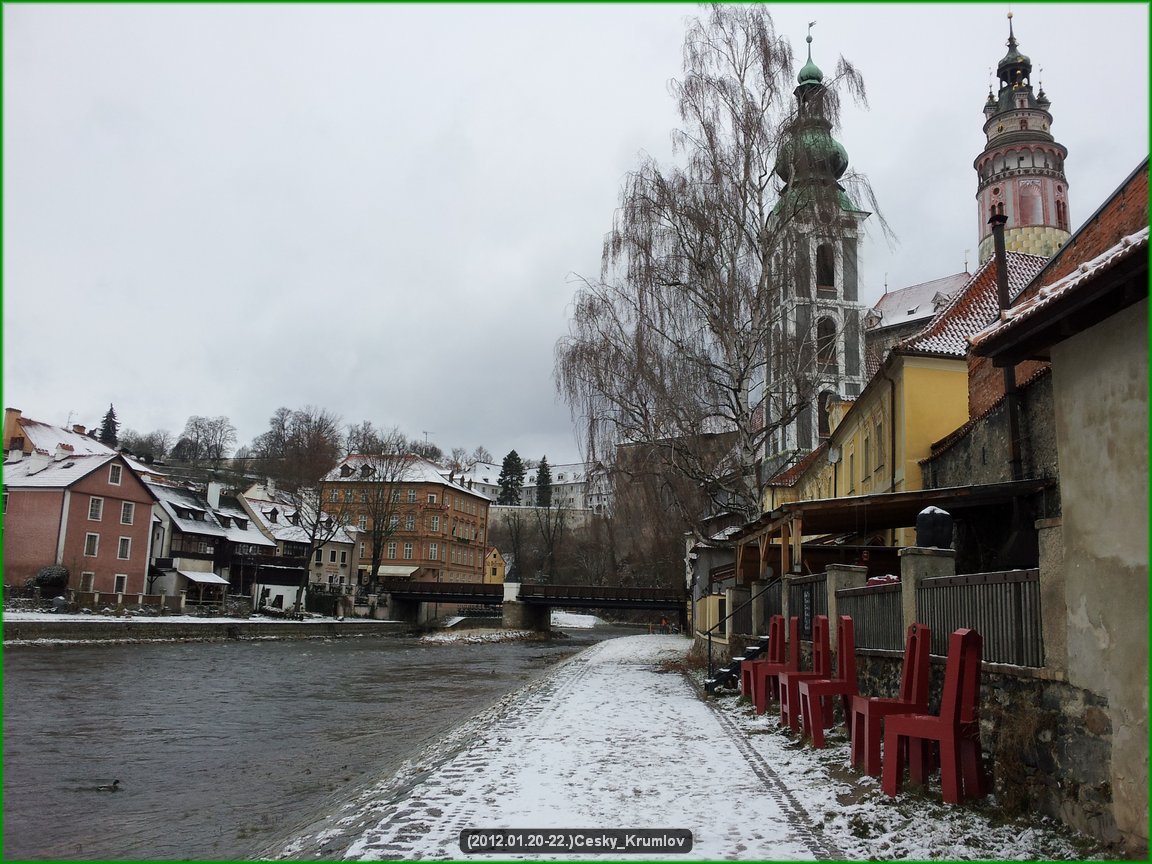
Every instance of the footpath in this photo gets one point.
(619, 738)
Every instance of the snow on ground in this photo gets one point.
(573, 621)
(472, 636)
(19, 615)
(616, 738)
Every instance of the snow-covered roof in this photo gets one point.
(238, 526)
(972, 308)
(44, 436)
(283, 529)
(1133, 244)
(416, 469)
(188, 510)
(42, 471)
(916, 302)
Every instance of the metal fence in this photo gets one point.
(877, 615)
(807, 598)
(1003, 607)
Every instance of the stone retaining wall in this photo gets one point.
(152, 629)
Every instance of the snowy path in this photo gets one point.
(607, 741)
(612, 740)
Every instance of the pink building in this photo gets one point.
(88, 512)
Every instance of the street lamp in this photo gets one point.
(834, 460)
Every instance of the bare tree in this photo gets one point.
(299, 448)
(205, 439)
(372, 489)
(673, 342)
(320, 520)
(551, 521)
(481, 454)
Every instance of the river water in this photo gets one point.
(223, 747)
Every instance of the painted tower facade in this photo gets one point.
(1021, 169)
(820, 334)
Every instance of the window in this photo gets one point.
(124, 548)
(880, 448)
(407, 551)
(363, 497)
(348, 496)
(435, 523)
(121, 583)
(434, 551)
(867, 456)
(87, 578)
(114, 474)
(343, 556)
(431, 497)
(362, 523)
(826, 344)
(95, 509)
(319, 556)
(392, 549)
(361, 550)
(394, 521)
(411, 496)
(825, 271)
(5, 502)
(91, 545)
(395, 496)
(127, 512)
(410, 522)
(331, 556)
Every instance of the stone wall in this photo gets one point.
(146, 629)
(1047, 744)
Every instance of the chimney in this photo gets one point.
(78, 428)
(63, 451)
(214, 489)
(15, 455)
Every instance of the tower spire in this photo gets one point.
(1021, 170)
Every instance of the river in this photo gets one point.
(223, 747)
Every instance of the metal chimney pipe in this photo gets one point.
(1015, 461)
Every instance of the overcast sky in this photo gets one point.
(380, 209)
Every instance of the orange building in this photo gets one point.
(429, 527)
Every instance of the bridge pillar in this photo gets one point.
(403, 610)
(524, 616)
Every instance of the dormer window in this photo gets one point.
(346, 470)
(366, 470)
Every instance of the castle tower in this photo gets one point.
(1021, 170)
(822, 321)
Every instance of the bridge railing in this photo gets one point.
(593, 592)
(479, 589)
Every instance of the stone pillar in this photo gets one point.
(759, 622)
(740, 622)
(916, 563)
(525, 616)
(1053, 596)
(840, 576)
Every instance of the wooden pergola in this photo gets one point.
(781, 532)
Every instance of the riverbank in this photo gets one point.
(618, 737)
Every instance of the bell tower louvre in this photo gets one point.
(1021, 169)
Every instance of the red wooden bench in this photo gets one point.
(867, 711)
(766, 676)
(790, 679)
(956, 728)
(813, 693)
(775, 654)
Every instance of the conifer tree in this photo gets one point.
(511, 479)
(109, 427)
(544, 484)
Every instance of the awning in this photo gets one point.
(205, 578)
(395, 572)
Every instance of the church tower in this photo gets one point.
(1021, 170)
(821, 331)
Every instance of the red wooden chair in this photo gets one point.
(867, 711)
(956, 728)
(814, 692)
(790, 679)
(775, 654)
(766, 676)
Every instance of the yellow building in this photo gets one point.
(494, 567)
(917, 396)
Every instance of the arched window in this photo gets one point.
(825, 271)
(826, 345)
(1030, 205)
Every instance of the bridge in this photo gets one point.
(530, 605)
